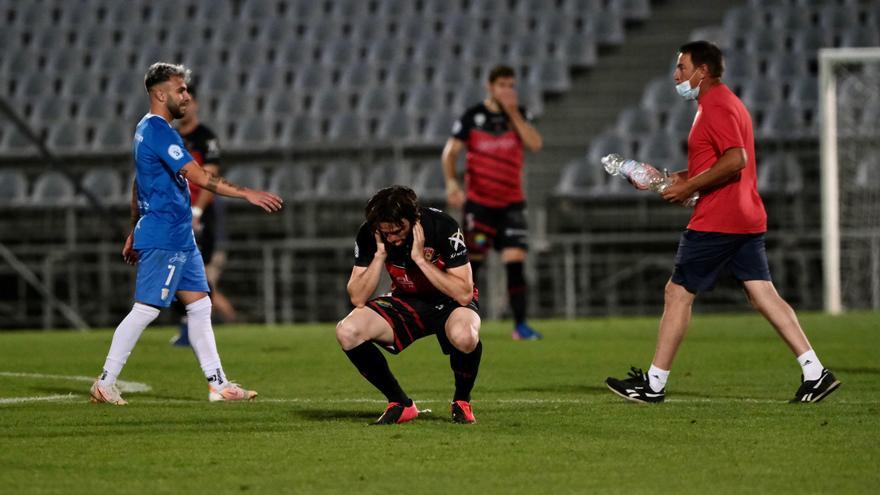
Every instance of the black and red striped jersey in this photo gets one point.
(494, 156)
(444, 247)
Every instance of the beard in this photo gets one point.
(175, 110)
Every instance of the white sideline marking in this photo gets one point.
(17, 400)
(124, 386)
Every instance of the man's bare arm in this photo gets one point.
(193, 171)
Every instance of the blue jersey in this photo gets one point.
(163, 195)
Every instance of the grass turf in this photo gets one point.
(546, 422)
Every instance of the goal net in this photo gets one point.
(849, 99)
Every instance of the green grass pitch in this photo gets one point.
(546, 422)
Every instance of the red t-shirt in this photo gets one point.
(494, 156)
(734, 207)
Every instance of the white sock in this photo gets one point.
(124, 338)
(811, 365)
(201, 338)
(657, 378)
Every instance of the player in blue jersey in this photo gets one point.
(161, 242)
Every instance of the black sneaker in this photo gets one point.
(397, 413)
(635, 388)
(816, 390)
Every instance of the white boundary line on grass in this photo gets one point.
(124, 386)
(47, 398)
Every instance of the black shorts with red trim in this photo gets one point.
(412, 318)
(486, 227)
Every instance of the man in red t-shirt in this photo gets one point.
(494, 133)
(726, 230)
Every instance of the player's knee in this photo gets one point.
(348, 334)
(675, 294)
(465, 337)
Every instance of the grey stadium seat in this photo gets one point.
(552, 75)
(382, 175)
(429, 182)
(636, 121)
(301, 129)
(13, 187)
(606, 143)
(250, 176)
(292, 182)
(780, 173)
(660, 95)
(346, 127)
(378, 100)
(52, 189)
(106, 185)
(340, 180)
(398, 125)
(578, 178)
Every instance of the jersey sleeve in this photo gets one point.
(364, 246)
(450, 240)
(725, 131)
(165, 142)
(461, 128)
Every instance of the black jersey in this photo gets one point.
(444, 247)
(202, 144)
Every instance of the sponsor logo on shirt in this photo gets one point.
(491, 145)
(456, 240)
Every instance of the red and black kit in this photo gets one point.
(203, 146)
(495, 209)
(415, 308)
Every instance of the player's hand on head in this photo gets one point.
(129, 255)
(380, 245)
(265, 200)
(418, 245)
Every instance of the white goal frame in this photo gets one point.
(828, 59)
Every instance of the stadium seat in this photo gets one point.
(636, 121)
(784, 68)
(781, 121)
(292, 182)
(607, 143)
(481, 53)
(52, 189)
(551, 75)
(15, 142)
(471, 94)
(661, 151)
(13, 187)
(578, 178)
(301, 129)
(759, 93)
(52, 109)
(339, 52)
(340, 180)
(638, 10)
(398, 125)
(680, 120)
(867, 174)
(330, 101)
(406, 73)
(423, 99)
(438, 126)
(377, 100)
(310, 77)
(860, 36)
(65, 138)
(346, 127)
(359, 74)
(659, 96)
(429, 182)
(113, 138)
(295, 53)
(780, 173)
(805, 92)
(105, 184)
(249, 176)
(382, 175)
(579, 51)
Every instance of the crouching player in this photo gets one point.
(432, 292)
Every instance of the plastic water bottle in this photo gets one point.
(641, 175)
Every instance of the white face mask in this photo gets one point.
(685, 90)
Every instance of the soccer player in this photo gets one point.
(494, 133)
(432, 292)
(161, 241)
(726, 230)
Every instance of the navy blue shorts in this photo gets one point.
(702, 256)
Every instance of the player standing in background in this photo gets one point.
(432, 292)
(162, 242)
(494, 133)
(726, 230)
(202, 144)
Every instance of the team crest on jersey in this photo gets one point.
(383, 303)
(479, 119)
(429, 253)
(456, 240)
(175, 152)
(165, 293)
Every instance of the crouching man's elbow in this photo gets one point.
(465, 299)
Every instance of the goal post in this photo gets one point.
(849, 102)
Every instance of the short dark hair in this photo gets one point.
(705, 52)
(392, 205)
(163, 71)
(500, 71)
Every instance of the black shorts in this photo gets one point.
(486, 227)
(412, 318)
(702, 256)
(207, 238)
